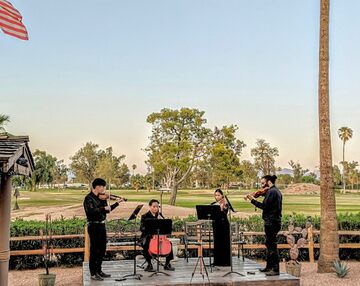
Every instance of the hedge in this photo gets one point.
(61, 226)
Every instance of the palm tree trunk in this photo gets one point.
(329, 239)
(343, 174)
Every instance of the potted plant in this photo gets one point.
(293, 266)
(47, 279)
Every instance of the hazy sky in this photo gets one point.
(93, 71)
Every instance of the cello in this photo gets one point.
(160, 245)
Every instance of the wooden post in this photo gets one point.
(87, 245)
(311, 244)
(5, 206)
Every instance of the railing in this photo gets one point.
(86, 249)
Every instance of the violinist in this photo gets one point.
(96, 208)
(272, 208)
(221, 230)
(145, 238)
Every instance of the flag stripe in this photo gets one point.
(7, 25)
(8, 7)
(21, 36)
(10, 20)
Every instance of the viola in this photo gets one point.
(259, 193)
(106, 196)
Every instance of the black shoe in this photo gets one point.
(265, 269)
(96, 277)
(272, 273)
(149, 268)
(169, 267)
(104, 275)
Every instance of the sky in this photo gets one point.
(94, 70)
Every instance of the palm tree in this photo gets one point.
(133, 168)
(345, 134)
(3, 120)
(329, 239)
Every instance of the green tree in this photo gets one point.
(225, 152)
(45, 168)
(84, 163)
(177, 141)
(345, 134)
(285, 179)
(109, 167)
(201, 175)
(137, 182)
(4, 119)
(123, 175)
(60, 172)
(148, 182)
(329, 237)
(249, 173)
(351, 173)
(310, 178)
(337, 177)
(298, 171)
(264, 157)
(133, 167)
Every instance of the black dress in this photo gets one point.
(221, 239)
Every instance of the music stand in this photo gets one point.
(158, 227)
(204, 212)
(231, 210)
(209, 213)
(133, 217)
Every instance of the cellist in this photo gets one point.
(145, 238)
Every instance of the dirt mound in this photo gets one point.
(302, 189)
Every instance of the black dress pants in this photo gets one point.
(271, 230)
(97, 234)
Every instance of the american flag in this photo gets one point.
(11, 21)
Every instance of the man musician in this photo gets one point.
(145, 238)
(96, 208)
(272, 208)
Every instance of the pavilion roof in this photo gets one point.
(15, 155)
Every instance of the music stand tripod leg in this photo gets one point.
(134, 275)
(204, 269)
(193, 273)
(158, 258)
(231, 260)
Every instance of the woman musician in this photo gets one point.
(221, 232)
(146, 238)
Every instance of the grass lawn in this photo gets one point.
(305, 204)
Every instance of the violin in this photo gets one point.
(160, 244)
(222, 203)
(106, 196)
(258, 193)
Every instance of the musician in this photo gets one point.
(221, 230)
(272, 208)
(145, 238)
(96, 208)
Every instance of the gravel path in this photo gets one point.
(73, 276)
